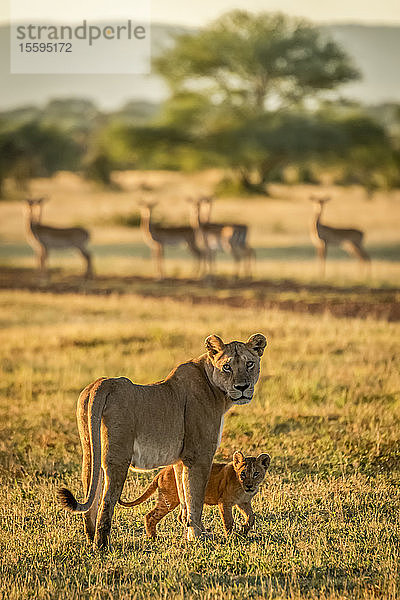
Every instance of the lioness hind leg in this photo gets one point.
(115, 476)
(90, 518)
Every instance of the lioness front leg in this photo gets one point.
(178, 470)
(195, 479)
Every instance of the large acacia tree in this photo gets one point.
(256, 61)
(242, 89)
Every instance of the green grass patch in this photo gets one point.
(327, 410)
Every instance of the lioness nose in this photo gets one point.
(241, 387)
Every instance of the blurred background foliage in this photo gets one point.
(257, 95)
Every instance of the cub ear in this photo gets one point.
(214, 344)
(257, 343)
(238, 459)
(264, 459)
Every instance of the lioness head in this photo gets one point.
(250, 470)
(235, 367)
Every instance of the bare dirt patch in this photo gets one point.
(288, 295)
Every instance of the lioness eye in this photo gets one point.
(256, 474)
(250, 364)
(227, 368)
(243, 475)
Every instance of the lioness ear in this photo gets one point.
(214, 344)
(238, 459)
(257, 343)
(264, 459)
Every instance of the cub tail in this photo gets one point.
(146, 494)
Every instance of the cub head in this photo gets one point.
(235, 367)
(250, 470)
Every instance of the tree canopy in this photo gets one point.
(246, 90)
(256, 61)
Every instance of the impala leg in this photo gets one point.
(158, 255)
(212, 260)
(88, 258)
(237, 257)
(321, 250)
(198, 260)
(357, 250)
(250, 260)
(42, 255)
(207, 262)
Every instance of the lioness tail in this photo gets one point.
(146, 494)
(98, 392)
(67, 499)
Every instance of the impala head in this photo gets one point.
(204, 206)
(200, 216)
(234, 368)
(319, 202)
(146, 206)
(34, 206)
(250, 470)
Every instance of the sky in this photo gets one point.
(199, 12)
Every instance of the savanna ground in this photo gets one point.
(327, 407)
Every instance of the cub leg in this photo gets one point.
(226, 516)
(195, 479)
(162, 508)
(246, 509)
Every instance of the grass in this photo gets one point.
(278, 228)
(327, 409)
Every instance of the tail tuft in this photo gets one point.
(67, 499)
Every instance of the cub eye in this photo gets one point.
(242, 475)
(250, 365)
(227, 368)
(256, 474)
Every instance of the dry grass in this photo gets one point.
(278, 225)
(327, 409)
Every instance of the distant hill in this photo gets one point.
(376, 52)
(375, 49)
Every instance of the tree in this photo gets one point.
(241, 88)
(33, 149)
(254, 60)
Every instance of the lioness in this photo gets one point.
(177, 420)
(230, 484)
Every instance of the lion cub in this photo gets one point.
(230, 484)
